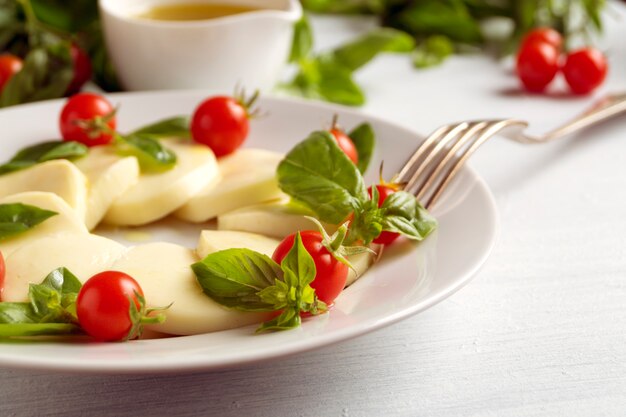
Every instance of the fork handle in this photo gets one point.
(610, 106)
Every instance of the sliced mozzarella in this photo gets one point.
(66, 221)
(361, 264)
(164, 272)
(59, 176)
(83, 254)
(248, 177)
(158, 194)
(109, 177)
(217, 240)
(275, 219)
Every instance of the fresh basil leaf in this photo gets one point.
(362, 50)
(43, 152)
(46, 74)
(364, 140)
(433, 51)
(288, 319)
(18, 218)
(38, 329)
(54, 300)
(151, 155)
(17, 313)
(367, 222)
(63, 281)
(234, 277)
(74, 16)
(403, 214)
(169, 128)
(302, 40)
(299, 265)
(317, 173)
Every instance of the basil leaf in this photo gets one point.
(151, 155)
(318, 174)
(302, 40)
(298, 265)
(403, 214)
(288, 319)
(46, 73)
(43, 152)
(17, 313)
(175, 127)
(433, 51)
(364, 140)
(54, 300)
(38, 329)
(234, 277)
(18, 218)
(359, 52)
(63, 281)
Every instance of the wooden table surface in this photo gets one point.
(540, 331)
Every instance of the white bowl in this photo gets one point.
(249, 49)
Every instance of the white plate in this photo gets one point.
(410, 278)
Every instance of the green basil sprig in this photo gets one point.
(364, 140)
(17, 218)
(173, 127)
(318, 174)
(150, 153)
(51, 309)
(246, 280)
(43, 152)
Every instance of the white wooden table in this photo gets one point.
(541, 331)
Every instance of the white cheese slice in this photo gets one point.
(163, 270)
(59, 176)
(66, 221)
(109, 177)
(156, 195)
(248, 177)
(83, 254)
(217, 240)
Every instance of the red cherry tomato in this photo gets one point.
(103, 305)
(585, 70)
(92, 109)
(2, 273)
(82, 69)
(544, 34)
(346, 144)
(537, 64)
(221, 123)
(384, 191)
(331, 275)
(9, 65)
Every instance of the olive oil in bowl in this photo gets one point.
(194, 11)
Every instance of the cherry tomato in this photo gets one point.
(331, 275)
(82, 69)
(585, 70)
(2, 273)
(87, 118)
(544, 34)
(537, 64)
(346, 144)
(221, 123)
(384, 191)
(9, 65)
(103, 305)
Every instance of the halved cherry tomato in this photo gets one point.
(544, 34)
(331, 275)
(9, 66)
(585, 70)
(346, 144)
(221, 123)
(537, 64)
(384, 191)
(87, 118)
(82, 69)
(103, 305)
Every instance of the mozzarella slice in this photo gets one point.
(83, 254)
(59, 176)
(361, 264)
(248, 177)
(66, 221)
(109, 177)
(164, 272)
(276, 219)
(156, 195)
(217, 240)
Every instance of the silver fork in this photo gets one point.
(429, 171)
